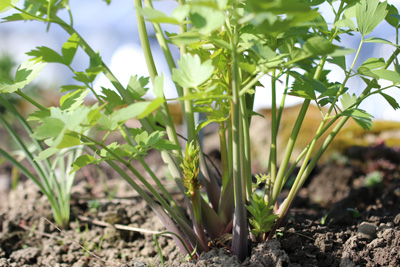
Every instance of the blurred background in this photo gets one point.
(111, 29)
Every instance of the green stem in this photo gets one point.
(170, 128)
(239, 239)
(272, 157)
(165, 193)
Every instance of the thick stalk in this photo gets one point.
(239, 239)
(245, 146)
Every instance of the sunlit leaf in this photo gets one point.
(51, 127)
(47, 153)
(46, 54)
(137, 87)
(129, 112)
(69, 139)
(206, 19)
(69, 48)
(19, 16)
(156, 16)
(348, 100)
(82, 161)
(7, 4)
(71, 87)
(73, 100)
(154, 105)
(107, 123)
(387, 75)
(346, 23)
(373, 63)
(369, 14)
(361, 117)
(26, 72)
(158, 88)
(192, 72)
(340, 61)
(378, 40)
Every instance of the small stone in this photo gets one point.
(366, 231)
(25, 256)
(396, 220)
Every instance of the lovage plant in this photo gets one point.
(226, 47)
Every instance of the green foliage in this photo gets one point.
(226, 48)
(262, 218)
(190, 168)
(25, 74)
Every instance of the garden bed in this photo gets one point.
(335, 221)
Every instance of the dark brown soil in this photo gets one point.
(335, 221)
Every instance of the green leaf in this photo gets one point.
(19, 16)
(69, 140)
(155, 104)
(305, 87)
(318, 45)
(391, 101)
(378, 40)
(192, 72)
(263, 51)
(340, 61)
(346, 23)
(388, 75)
(71, 101)
(156, 16)
(206, 19)
(373, 63)
(181, 12)
(361, 117)
(7, 4)
(39, 115)
(158, 88)
(82, 161)
(92, 72)
(348, 100)
(369, 13)
(51, 127)
(137, 87)
(185, 38)
(71, 87)
(69, 48)
(107, 123)
(129, 112)
(46, 54)
(46, 153)
(26, 72)
(112, 97)
(392, 20)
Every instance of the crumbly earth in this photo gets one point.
(335, 221)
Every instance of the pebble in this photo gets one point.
(366, 231)
(396, 220)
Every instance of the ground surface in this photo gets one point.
(335, 221)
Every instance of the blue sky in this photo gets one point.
(112, 30)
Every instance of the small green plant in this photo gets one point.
(53, 177)
(373, 179)
(226, 47)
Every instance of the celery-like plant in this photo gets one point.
(53, 177)
(226, 47)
